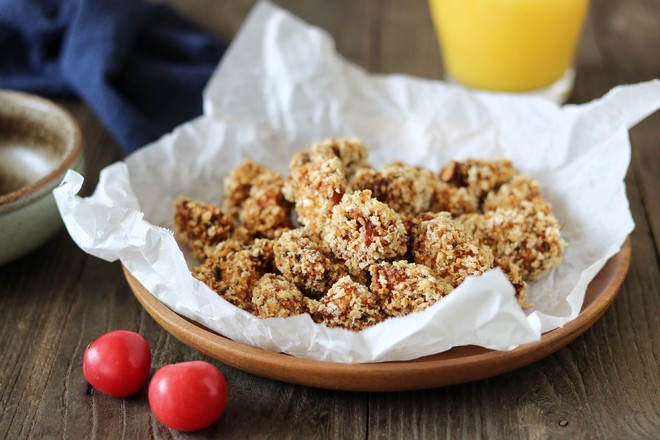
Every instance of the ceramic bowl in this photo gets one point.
(39, 142)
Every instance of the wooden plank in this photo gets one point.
(220, 18)
(347, 22)
(34, 313)
(603, 385)
(591, 80)
(629, 41)
(407, 39)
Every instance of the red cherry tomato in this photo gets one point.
(117, 363)
(188, 396)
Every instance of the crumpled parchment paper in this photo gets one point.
(282, 87)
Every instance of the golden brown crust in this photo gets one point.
(364, 231)
(315, 185)
(513, 193)
(514, 274)
(477, 175)
(274, 296)
(305, 260)
(232, 269)
(406, 189)
(528, 236)
(454, 199)
(351, 152)
(405, 287)
(373, 244)
(349, 305)
(200, 225)
(237, 186)
(443, 245)
(265, 212)
(254, 199)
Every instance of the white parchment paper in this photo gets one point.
(280, 88)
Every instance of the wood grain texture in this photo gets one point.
(604, 385)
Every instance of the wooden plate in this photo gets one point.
(458, 365)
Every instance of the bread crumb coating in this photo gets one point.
(454, 199)
(406, 189)
(265, 212)
(443, 245)
(351, 152)
(349, 305)
(276, 297)
(370, 244)
(364, 231)
(477, 175)
(528, 236)
(405, 287)
(512, 193)
(315, 185)
(232, 269)
(200, 225)
(238, 184)
(514, 274)
(304, 259)
(254, 198)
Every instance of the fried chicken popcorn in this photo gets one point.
(457, 200)
(316, 184)
(352, 153)
(405, 287)
(479, 176)
(265, 212)
(445, 246)
(406, 189)
(233, 269)
(307, 262)
(513, 193)
(364, 231)
(349, 305)
(200, 225)
(514, 274)
(527, 236)
(238, 184)
(370, 244)
(254, 197)
(276, 297)
(319, 178)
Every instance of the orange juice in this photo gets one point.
(508, 45)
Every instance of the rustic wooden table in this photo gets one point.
(605, 384)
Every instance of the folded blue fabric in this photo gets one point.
(140, 67)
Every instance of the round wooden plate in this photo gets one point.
(458, 365)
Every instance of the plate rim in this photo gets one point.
(458, 365)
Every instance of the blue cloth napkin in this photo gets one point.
(140, 67)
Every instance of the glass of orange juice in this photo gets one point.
(510, 45)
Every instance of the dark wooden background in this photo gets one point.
(606, 384)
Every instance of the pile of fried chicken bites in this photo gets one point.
(371, 244)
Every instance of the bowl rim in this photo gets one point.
(72, 155)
